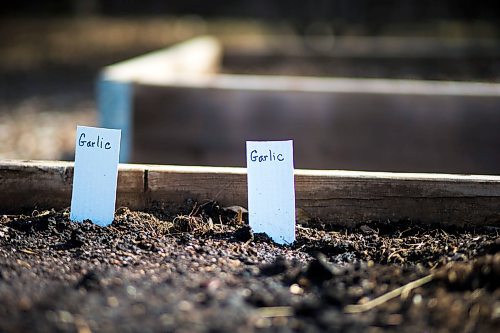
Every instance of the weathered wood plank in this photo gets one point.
(130, 187)
(176, 184)
(346, 197)
(355, 197)
(29, 185)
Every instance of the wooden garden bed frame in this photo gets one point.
(345, 197)
(175, 107)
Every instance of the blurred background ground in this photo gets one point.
(51, 51)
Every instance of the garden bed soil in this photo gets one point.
(199, 268)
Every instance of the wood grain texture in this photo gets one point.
(27, 185)
(345, 197)
(357, 197)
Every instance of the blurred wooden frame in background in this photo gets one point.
(175, 108)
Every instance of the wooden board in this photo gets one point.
(344, 197)
(29, 185)
(371, 125)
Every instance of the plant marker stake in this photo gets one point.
(95, 174)
(271, 191)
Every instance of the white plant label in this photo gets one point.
(271, 190)
(95, 176)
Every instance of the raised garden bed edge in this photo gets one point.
(329, 196)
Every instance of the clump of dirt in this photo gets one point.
(200, 268)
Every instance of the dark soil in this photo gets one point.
(201, 269)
